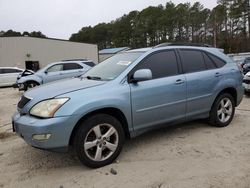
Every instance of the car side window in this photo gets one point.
(89, 63)
(7, 71)
(192, 60)
(71, 66)
(209, 62)
(162, 64)
(55, 68)
(219, 62)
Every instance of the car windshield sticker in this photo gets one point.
(125, 63)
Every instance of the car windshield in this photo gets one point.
(113, 66)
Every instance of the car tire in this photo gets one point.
(99, 140)
(222, 111)
(30, 84)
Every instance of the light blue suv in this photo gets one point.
(53, 72)
(126, 95)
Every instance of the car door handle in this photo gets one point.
(217, 74)
(179, 81)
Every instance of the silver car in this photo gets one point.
(54, 71)
(246, 83)
(8, 75)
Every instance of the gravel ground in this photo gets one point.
(188, 155)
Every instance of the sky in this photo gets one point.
(61, 18)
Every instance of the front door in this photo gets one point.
(162, 99)
(53, 73)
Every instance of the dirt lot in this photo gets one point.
(188, 155)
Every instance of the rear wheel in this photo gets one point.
(29, 85)
(222, 111)
(99, 140)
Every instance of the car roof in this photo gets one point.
(68, 61)
(206, 48)
(215, 51)
(10, 68)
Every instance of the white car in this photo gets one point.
(8, 75)
(246, 83)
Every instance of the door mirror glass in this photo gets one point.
(142, 75)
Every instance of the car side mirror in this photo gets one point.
(46, 72)
(142, 75)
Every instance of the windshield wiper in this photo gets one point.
(93, 78)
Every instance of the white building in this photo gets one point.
(30, 52)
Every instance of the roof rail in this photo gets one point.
(182, 44)
(74, 60)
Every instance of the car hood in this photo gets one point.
(61, 87)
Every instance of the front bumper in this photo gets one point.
(60, 129)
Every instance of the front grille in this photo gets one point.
(24, 100)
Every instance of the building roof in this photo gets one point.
(113, 50)
(141, 49)
(47, 38)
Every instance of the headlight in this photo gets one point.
(47, 108)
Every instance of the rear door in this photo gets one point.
(8, 76)
(72, 69)
(12, 75)
(162, 99)
(2, 78)
(202, 76)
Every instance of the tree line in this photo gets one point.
(225, 26)
(11, 33)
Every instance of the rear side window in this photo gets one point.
(193, 60)
(71, 66)
(162, 64)
(219, 62)
(6, 71)
(91, 64)
(209, 62)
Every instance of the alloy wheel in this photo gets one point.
(101, 142)
(225, 110)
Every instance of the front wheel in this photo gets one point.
(29, 85)
(99, 140)
(222, 111)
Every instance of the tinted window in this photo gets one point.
(6, 71)
(219, 62)
(162, 64)
(91, 64)
(71, 66)
(55, 68)
(209, 62)
(16, 70)
(193, 61)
